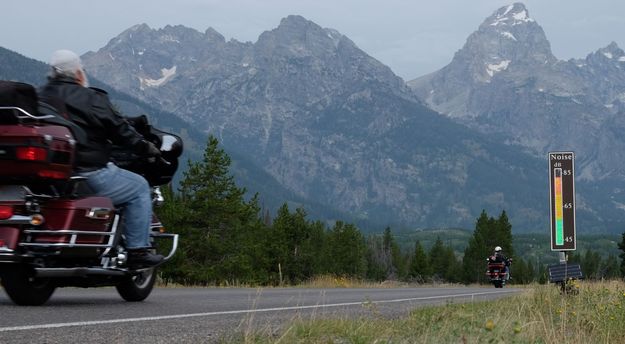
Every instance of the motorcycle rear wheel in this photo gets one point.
(138, 287)
(24, 289)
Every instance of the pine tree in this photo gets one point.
(346, 248)
(419, 265)
(590, 264)
(610, 268)
(376, 266)
(478, 249)
(217, 222)
(437, 259)
(503, 234)
(621, 246)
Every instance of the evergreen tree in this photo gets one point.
(478, 249)
(419, 265)
(346, 248)
(610, 268)
(621, 246)
(376, 267)
(216, 220)
(389, 254)
(438, 259)
(590, 264)
(521, 273)
(503, 234)
(542, 274)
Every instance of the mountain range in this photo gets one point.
(335, 127)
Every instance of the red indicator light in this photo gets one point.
(52, 174)
(31, 153)
(6, 211)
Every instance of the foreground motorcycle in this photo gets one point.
(497, 272)
(53, 232)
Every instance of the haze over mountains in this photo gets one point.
(336, 127)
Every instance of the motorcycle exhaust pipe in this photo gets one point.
(76, 272)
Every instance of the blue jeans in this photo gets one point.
(131, 191)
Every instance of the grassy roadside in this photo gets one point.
(538, 315)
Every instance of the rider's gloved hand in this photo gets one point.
(149, 149)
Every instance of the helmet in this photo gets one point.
(498, 249)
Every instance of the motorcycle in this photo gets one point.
(53, 231)
(497, 271)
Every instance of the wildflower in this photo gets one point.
(490, 325)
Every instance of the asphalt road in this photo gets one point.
(204, 315)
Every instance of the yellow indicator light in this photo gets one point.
(36, 219)
(162, 230)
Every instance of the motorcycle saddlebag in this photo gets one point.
(31, 153)
(90, 214)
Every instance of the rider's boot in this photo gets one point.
(142, 257)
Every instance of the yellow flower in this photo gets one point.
(490, 325)
(517, 329)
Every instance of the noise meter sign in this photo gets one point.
(562, 201)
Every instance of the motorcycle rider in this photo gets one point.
(91, 110)
(499, 257)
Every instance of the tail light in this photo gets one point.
(6, 211)
(31, 153)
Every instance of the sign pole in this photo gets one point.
(562, 219)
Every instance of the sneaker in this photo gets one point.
(143, 258)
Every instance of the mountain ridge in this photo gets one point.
(332, 124)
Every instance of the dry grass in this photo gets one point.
(538, 315)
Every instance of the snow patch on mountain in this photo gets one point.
(167, 74)
(508, 35)
(510, 17)
(492, 69)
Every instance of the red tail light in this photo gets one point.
(6, 211)
(31, 153)
(52, 174)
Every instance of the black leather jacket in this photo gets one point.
(92, 111)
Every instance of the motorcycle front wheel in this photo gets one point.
(24, 289)
(137, 287)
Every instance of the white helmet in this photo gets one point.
(498, 249)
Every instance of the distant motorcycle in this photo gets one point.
(497, 271)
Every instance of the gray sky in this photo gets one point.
(413, 37)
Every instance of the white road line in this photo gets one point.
(244, 311)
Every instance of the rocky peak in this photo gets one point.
(611, 53)
(212, 35)
(299, 37)
(511, 15)
(509, 37)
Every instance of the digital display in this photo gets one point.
(557, 184)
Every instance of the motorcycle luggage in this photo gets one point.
(17, 94)
(31, 153)
(84, 221)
